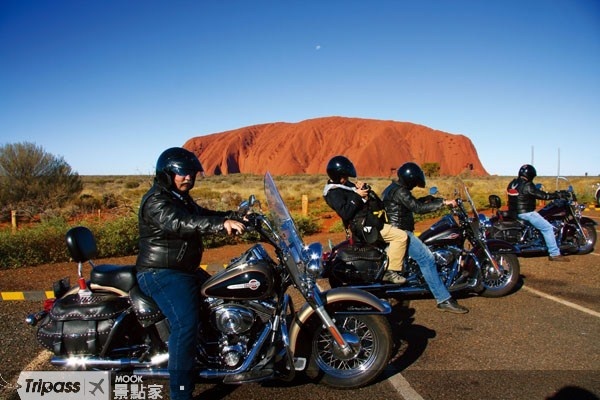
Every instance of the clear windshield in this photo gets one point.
(462, 192)
(282, 220)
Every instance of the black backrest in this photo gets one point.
(81, 244)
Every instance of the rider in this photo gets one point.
(400, 204)
(353, 202)
(171, 227)
(522, 196)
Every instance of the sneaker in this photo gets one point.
(452, 306)
(393, 277)
(559, 258)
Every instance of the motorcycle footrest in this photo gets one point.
(249, 376)
(299, 363)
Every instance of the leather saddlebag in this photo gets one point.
(80, 324)
(357, 264)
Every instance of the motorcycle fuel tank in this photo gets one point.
(444, 232)
(247, 278)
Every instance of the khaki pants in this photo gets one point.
(398, 240)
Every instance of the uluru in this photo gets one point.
(376, 147)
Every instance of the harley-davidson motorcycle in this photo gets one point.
(465, 259)
(250, 329)
(575, 234)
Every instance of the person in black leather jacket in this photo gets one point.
(171, 227)
(400, 205)
(522, 202)
(355, 203)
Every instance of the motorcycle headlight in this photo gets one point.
(314, 255)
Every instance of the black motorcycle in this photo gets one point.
(575, 234)
(466, 261)
(250, 328)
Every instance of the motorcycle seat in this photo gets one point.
(144, 307)
(510, 224)
(119, 276)
(504, 215)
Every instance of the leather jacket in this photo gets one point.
(522, 196)
(171, 227)
(345, 201)
(400, 205)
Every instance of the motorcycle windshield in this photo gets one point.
(283, 222)
(462, 193)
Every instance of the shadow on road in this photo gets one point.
(410, 340)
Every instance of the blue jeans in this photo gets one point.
(177, 294)
(418, 251)
(545, 227)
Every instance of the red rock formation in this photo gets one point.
(376, 147)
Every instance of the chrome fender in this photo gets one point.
(339, 301)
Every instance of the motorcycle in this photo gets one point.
(466, 261)
(575, 234)
(250, 328)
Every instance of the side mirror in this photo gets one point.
(246, 205)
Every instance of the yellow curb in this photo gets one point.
(30, 295)
(12, 296)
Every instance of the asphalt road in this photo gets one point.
(541, 342)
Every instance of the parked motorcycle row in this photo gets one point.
(252, 329)
(575, 234)
(467, 260)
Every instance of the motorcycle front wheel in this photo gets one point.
(370, 339)
(587, 246)
(497, 284)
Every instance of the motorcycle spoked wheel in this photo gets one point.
(587, 246)
(370, 338)
(498, 285)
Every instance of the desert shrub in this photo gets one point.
(118, 237)
(109, 200)
(87, 203)
(131, 185)
(42, 243)
(336, 227)
(306, 225)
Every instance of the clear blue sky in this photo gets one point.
(109, 84)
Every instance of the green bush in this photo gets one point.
(45, 243)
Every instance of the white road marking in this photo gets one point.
(403, 388)
(42, 358)
(564, 302)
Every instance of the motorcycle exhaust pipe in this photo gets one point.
(532, 251)
(106, 363)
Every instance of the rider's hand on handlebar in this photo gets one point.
(231, 225)
(451, 203)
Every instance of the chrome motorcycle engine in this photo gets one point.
(232, 319)
(234, 329)
(444, 257)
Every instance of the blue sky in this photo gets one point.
(109, 84)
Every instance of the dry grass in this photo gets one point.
(225, 192)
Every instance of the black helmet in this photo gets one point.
(528, 171)
(179, 161)
(411, 175)
(340, 166)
